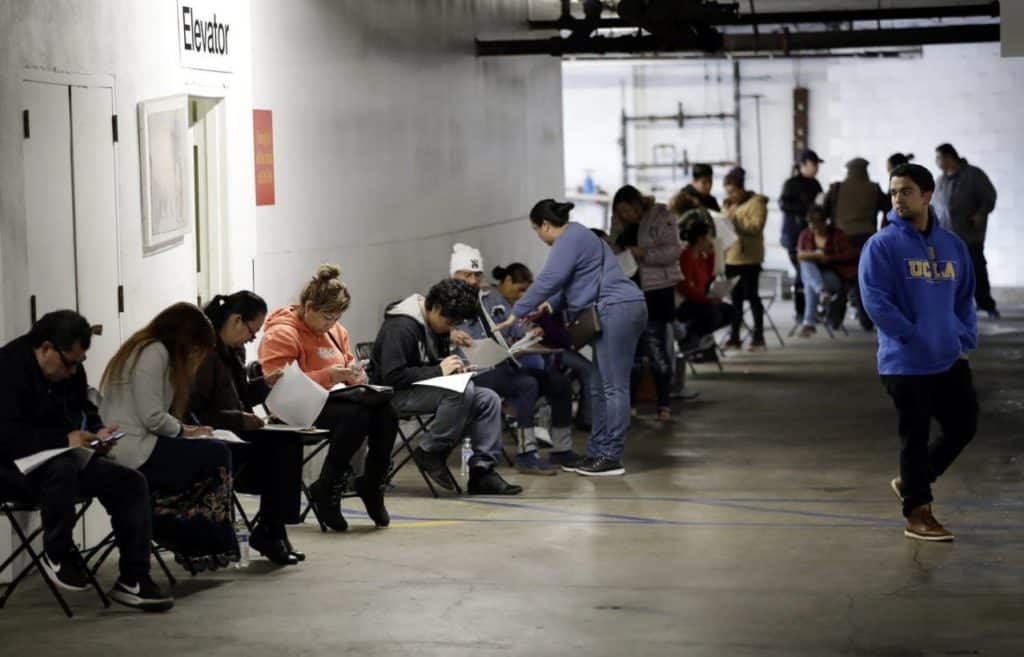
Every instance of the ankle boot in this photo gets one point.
(373, 498)
(326, 493)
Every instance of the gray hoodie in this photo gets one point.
(966, 194)
(406, 350)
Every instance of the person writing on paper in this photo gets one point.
(309, 334)
(223, 396)
(44, 405)
(581, 271)
(701, 311)
(413, 345)
(651, 234)
(827, 263)
(146, 390)
(523, 381)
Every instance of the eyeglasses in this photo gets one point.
(71, 365)
(252, 333)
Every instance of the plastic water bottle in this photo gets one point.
(242, 534)
(467, 453)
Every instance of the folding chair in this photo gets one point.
(767, 300)
(9, 509)
(422, 422)
(107, 545)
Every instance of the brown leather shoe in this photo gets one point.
(922, 526)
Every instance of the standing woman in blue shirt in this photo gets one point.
(581, 270)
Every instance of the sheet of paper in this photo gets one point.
(454, 382)
(296, 398)
(628, 263)
(485, 354)
(722, 287)
(29, 463)
(226, 436)
(525, 343)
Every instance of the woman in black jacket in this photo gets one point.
(223, 397)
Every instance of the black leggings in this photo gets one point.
(350, 423)
(747, 289)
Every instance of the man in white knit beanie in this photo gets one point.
(466, 264)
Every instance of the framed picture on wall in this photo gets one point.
(165, 153)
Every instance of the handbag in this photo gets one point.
(587, 324)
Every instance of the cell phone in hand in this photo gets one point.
(113, 438)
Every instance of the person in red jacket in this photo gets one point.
(827, 264)
(703, 312)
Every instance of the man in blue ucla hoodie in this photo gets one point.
(918, 288)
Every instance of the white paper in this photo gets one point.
(722, 287)
(454, 382)
(296, 398)
(226, 436)
(290, 428)
(525, 343)
(628, 263)
(485, 354)
(29, 463)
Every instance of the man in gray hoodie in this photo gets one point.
(413, 345)
(964, 198)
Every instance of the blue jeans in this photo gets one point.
(621, 325)
(816, 280)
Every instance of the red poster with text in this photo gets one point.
(263, 144)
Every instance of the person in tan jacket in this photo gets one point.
(748, 212)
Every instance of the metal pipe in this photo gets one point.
(782, 43)
(736, 110)
(987, 9)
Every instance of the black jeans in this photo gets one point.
(350, 424)
(270, 465)
(654, 347)
(706, 318)
(950, 398)
(747, 289)
(122, 492)
(982, 289)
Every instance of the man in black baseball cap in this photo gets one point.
(798, 195)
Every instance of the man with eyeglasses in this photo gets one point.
(44, 405)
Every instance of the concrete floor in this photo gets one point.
(759, 523)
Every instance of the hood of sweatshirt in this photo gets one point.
(288, 317)
(411, 306)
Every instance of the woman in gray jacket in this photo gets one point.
(651, 234)
(146, 390)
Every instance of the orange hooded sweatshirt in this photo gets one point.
(286, 338)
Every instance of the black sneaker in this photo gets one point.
(488, 482)
(142, 594)
(600, 467)
(67, 573)
(435, 466)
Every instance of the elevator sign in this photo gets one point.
(205, 40)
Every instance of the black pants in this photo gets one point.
(747, 289)
(122, 492)
(270, 465)
(522, 386)
(982, 289)
(799, 303)
(350, 425)
(948, 397)
(178, 463)
(706, 318)
(653, 348)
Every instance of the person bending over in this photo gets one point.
(827, 264)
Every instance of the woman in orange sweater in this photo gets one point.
(309, 334)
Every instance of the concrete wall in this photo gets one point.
(393, 141)
(966, 95)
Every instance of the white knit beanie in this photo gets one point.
(465, 258)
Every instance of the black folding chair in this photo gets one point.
(10, 508)
(107, 545)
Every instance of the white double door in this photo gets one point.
(71, 209)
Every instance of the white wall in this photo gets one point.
(966, 95)
(392, 141)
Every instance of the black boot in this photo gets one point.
(326, 493)
(373, 497)
(273, 548)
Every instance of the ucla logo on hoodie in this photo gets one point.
(931, 270)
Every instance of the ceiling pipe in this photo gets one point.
(987, 10)
(783, 43)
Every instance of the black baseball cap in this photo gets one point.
(809, 155)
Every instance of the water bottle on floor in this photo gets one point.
(467, 453)
(242, 534)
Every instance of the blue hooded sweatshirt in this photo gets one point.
(918, 288)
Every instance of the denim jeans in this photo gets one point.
(477, 411)
(583, 370)
(816, 280)
(621, 325)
